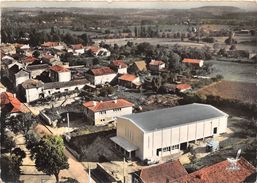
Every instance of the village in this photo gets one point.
(128, 110)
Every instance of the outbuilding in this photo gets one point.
(154, 134)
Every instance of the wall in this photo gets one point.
(180, 134)
(99, 80)
(122, 70)
(33, 94)
(110, 115)
(20, 80)
(64, 76)
(132, 134)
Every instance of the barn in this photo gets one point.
(158, 133)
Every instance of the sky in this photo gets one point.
(150, 4)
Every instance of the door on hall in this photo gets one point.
(215, 130)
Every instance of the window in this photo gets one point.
(102, 112)
(119, 109)
(174, 147)
(148, 142)
(165, 149)
(102, 119)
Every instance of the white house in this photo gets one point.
(34, 89)
(37, 70)
(98, 52)
(60, 73)
(77, 49)
(193, 62)
(101, 75)
(154, 134)
(103, 112)
(156, 65)
(119, 66)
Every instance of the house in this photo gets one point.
(10, 104)
(165, 172)
(34, 89)
(129, 81)
(8, 49)
(51, 59)
(119, 66)
(220, 172)
(77, 49)
(193, 62)
(183, 87)
(37, 70)
(17, 75)
(138, 66)
(217, 173)
(21, 76)
(100, 75)
(60, 73)
(50, 44)
(98, 52)
(156, 65)
(154, 134)
(28, 60)
(103, 112)
(31, 89)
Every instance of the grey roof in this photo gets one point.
(168, 117)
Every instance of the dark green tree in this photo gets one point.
(49, 156)
(10, 165)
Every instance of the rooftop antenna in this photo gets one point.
(233, 162)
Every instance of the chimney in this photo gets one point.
(101, 101)
(115, 101)
(119, 66)
(94, 103)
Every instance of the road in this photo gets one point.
(76, 169)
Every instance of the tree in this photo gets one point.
(36, 53)
(49, 156)
(157, 83)
(10, 165)
(21, 123)
(233, 47)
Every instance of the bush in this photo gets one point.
(208, 40)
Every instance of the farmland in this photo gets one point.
(244, 92)
(240, 72)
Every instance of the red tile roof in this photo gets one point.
(47, 56)
(119, 63)
(107, 105)
(77, 46)
(183, 86)
(50, 44)
(58, 68)
(156, 62)
(92, 49)
(8, 98)
(218, 173)
(127, 77)
(192, 61)
(101, 71)
(29, 59)
(160, 173)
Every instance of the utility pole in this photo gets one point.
(124, 170)
(89, 174)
